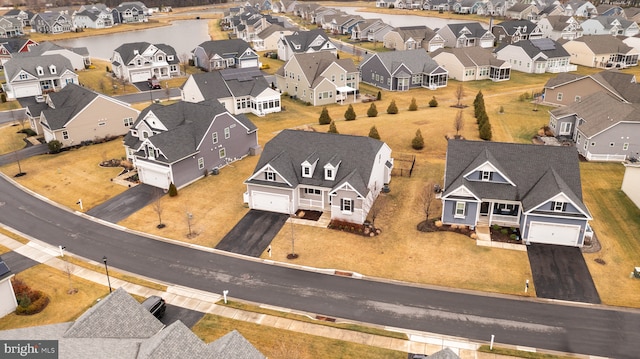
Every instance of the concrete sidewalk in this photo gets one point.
(418, 342)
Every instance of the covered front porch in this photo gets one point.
(502, 213)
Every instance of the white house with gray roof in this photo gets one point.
(305, 42)
(558, 27)
(130, 12)
(536, 56)
(8, 302)
(32, 76)
(239, 90)
(93, 17)
(140, 61)
(221, 54)
(610, 25)
(51, 22)
(76, 114)
(119, 327)
(78, 56)
(472, 63)
(10, 27)
(602, 51)
(341, 174)
(466, 35)
(268, 38)
(403, 70)
(601, 127)
(485, 184)
(182, 142)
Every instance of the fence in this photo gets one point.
(403, 164)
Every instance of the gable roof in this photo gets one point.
(418, 33)
(474, 27)
(67, 103)
(128, 51)
(173, 342)
(221, 47)
(559, 22)
(46, 46)
(269, 30)
(604, 44)
(313, 64)
(304, 39)
(233, 345)
(472, 56)
(555, 166)
(14, 45)
(417, 60)
(607, 21)
(546, 46)
(511, 26)
(30, 63)
(230, 82)
(290, 148)
(4, 270)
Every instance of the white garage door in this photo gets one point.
(270, 202)
(26, 91)
(158, 179)
(248, 63)
(139, 76)
(563, 234)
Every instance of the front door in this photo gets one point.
(484, 209)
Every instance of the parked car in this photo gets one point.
(154, 83)
(155, 305)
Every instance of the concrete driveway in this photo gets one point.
(560, 272)
(125, 204)
(253, 233)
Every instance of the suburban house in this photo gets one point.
(129, 330)
(140, 61)
(466, 35)
(268, 38)
(536, 56)
(10, 27)
(220, 54)
(403, 70)
(610, 10)
(567, 88)
(319, 171)
(522, 11)
(23, 15)
(472, 63)
(512, 31)
(558, 27)
(240, 91)
(554, 9)
(580, 8)
(182, 142)
(11, 47)
(413, 37)
(486, 184)
(603, 51)
(610, 25)
(362, 29)
(491, 8)
(302, 42)
(319, 78)
(632, 13)
(98, 16)
(601, 127)
(130, 12)
(51, 22)
(8, 302)
(630, 181)
(32, 76)
(76, 114)
(78, 56)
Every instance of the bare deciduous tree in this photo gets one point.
(68, 268)
(426, 199)
(184, 61)
(459, 95)
(458, 123)
(157, 206)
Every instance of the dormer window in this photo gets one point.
(329, 174)
(487, 175)
(52, 69)
(306, 171)
(169, 57)
(269, 176)
(39, 71)
(558, 206)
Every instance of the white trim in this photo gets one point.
(488, 163)
(263, 169)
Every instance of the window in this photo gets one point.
(39, 70)
(227, 133)
(270, 176)
(565, 128)
(460, 208)
(128, 122)
(52, 69)
(169, 57)
(306, 171)
(200, 163)
(222, 153)
(558, 206)
(346, 205)
(23, 76)
(328, 174)
(65, 135)
(559, 97)
(625, 146)
(102, 123)
(593, 144)
(486, 175)
(312, 191)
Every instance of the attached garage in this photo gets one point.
(159, 177)
(248, 63)
(549, 233)
(26, 91)
(270, 202)
(139, 76)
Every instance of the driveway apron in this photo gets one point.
(253, 233)
(560, 272)
(125, 204)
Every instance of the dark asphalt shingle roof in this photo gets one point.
(290, 148)
(604, 44)
(549, 170)
(174, 341)
(474, 28)
(304, 39)
(224, 47)
(417, 60)
(230, 82)
(472, 56)
(510, 26)
(128, 51)
(621, 84)
(552, 49)
(30, 63)
(313, 65)
(68, 102)
(4, 270)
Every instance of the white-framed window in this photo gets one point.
(227, 133)
(558, 206)
(52, 69)
(269, 176)
(306, 171)
(460, 209)
(625, 146)
(486, 175)
(559, 97)
(39, 71)
(346, 205)
(169, 57)
(312, 191)
(222, 153)
(128, 122)
(65, 135)
(329, 174)
(565, 128)
(200, 163)
(214, 137)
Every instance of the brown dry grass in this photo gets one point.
(62, 307)
(11, 139)
(4, 249)
(100, 80)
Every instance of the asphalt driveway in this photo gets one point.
(17, 262)
(560, 272)
(125, 204)
(253, 233)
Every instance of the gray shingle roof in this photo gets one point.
(604, 44)
(4, 269)
(314, 63)
(474, 27)
(417, 60)
(562, 78)
(13, 45)
(559, 22)
(290, 148)
(418, 33)
(46, 46)
(117, 316)
(230, 82)
(621, 83)
(232, 346)
(549, 170)
(552, 49)
(510, 26)
(224, 47)
(127, 51)
(270, 30)
(30, 63)
(472, 56)
(607, 21)
(445, 353)
(304, 39)
(174, 341)
(67, 102)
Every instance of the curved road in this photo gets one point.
(594, 330)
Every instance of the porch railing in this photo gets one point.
(310, 203)
(504, 220)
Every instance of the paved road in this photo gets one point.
(12, 115)
(594, 330)
(22, 154)
(146, 96)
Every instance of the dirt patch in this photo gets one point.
(505, 234)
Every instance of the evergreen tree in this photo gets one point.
(392, 109)
(478, 104)
(433, 102)
(418, 142)
(332, 127)
(324, 119)
(373, 133)
(372, 111)
(173, 191)
(350, 114)
(413, 106)
(485, 131)
(379, 97)
(482, 118)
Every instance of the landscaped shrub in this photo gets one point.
(350, 114)
(173, 191)
(29, 301)
(379, 96)
(478, 104)
(413, 106)
(54, 146)
(372, 111)
(346, 226)
(332, 127)
(27, 131)
(525, 96)
(373, 133)
(418, 142)
(501, 109)
(392, 109)
(433, 102)
(324, 119)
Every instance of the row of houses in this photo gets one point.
(93, 16)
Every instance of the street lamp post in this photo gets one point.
(104, 259)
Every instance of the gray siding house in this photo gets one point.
(601, 127)
(486, 184)
(403, 70)
(319, 171)
(466, 35)
(220, 54)
(182, 142)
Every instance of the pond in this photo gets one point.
(405, 20)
